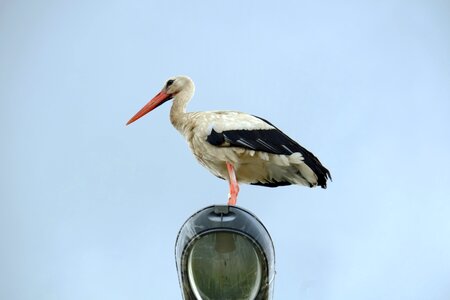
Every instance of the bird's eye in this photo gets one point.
(169, 82)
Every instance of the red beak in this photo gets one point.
(159, 99)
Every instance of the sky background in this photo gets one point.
(90, 209)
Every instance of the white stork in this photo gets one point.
(238, 147)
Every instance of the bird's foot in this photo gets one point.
(232, 200)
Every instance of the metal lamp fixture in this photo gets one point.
(225, 252)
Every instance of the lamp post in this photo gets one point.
(225, 252)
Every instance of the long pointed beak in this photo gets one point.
(159, 99)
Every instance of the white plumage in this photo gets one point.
(236, 146)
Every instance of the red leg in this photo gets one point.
(234, 186)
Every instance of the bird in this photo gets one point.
(237, 147)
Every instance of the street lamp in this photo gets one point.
(225, 252)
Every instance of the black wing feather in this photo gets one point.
(272, 184)
(271, 141)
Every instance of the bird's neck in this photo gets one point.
(178, 110)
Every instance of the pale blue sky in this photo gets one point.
(90, 208)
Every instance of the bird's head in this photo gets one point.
(177, 84)
(172, 87)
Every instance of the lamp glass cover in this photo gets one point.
(225, 265)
